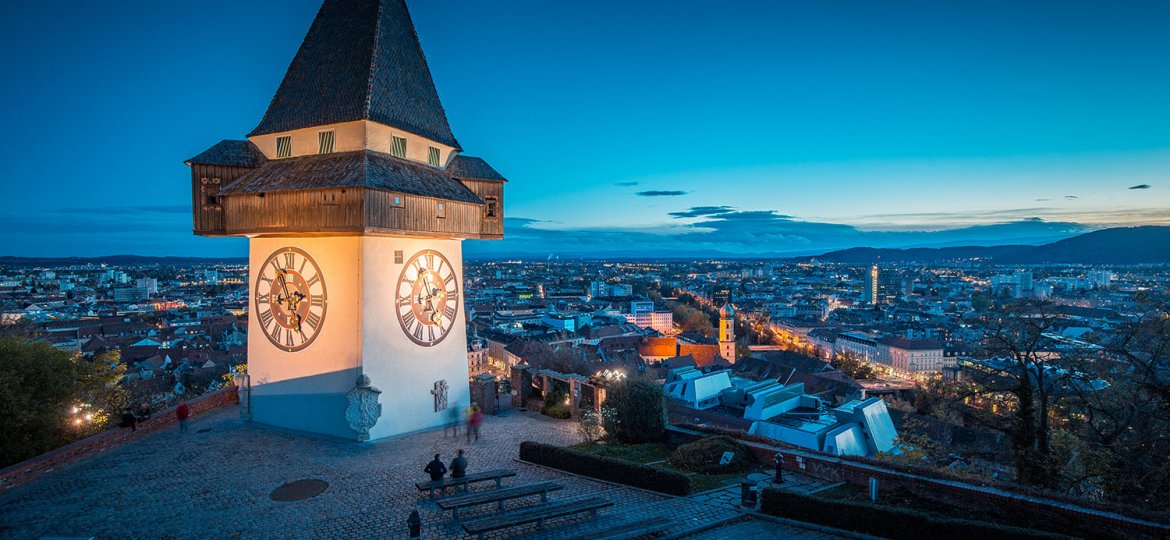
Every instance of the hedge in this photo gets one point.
(1130, 510)
(606, 468)
(885, 521)
(704, 455)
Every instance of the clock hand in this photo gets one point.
(284, 286)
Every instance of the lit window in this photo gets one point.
(442, 211)
(398, 148)
(284, 146)
(433, 156)
(326, 139)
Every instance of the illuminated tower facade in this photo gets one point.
(727, 333)
(355, 198)
(871, 285)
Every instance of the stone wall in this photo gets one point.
(992, 500)
(88, 447)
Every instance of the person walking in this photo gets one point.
(436, 468)
(182, 412)
(453, 420)
(459, 466)
(473, 422)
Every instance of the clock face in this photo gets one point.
(427, 298)
(290, 299)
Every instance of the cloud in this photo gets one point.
(1071, 197)
(625, 184)
(1140, 186)
(724, 231)
(753, 215)
(661, 193)
(697, 211)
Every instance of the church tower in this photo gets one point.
(355, 198)
(727, 333)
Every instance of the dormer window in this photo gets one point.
(284, 146)
(210, 190)
(398, 146)
(433, 156)
(326, 139)
(490, 207)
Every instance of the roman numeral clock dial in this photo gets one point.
(290, 299)
(427, 298)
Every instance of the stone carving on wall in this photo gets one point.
(440, 393)
(364, 410)
(244, 395)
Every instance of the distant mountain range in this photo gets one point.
(1125, 245)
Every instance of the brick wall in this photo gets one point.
(993, 500)
(88, 447)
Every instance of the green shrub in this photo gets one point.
(554, 405)
(704, 455)
(42, 388)
(560, 411)
(635, 411)
(606, 468)
(885, 521)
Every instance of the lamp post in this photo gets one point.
(779, 468)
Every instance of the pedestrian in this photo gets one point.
(436, 468)
(128, 420)
(473, 422)
(143, 411)
(453, 421)
(182, 412)
(459, 465)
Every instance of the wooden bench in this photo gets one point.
(533, 514)
(497, 496)
(465, 481)
(630, 530)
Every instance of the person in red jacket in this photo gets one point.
(473, 422)
(182, 412)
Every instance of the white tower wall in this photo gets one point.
(305, 390)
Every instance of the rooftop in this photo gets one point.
(361, 60)
(366, 168)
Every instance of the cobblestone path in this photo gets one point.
(216, 484)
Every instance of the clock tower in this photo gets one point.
(355, 197)
(727, 333)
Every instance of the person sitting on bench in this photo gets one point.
(436, 468)
(128, 420)
(459, 466)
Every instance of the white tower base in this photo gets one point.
(306, 390)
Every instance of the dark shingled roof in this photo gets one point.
(473, 168)
(360, 60)
(365, 168)
(227, 152)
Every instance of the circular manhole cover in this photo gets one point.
(299, 490)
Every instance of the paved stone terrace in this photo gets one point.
(216, 484)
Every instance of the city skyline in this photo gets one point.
(786, 130)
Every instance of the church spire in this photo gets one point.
(361, 60)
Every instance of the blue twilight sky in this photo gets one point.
(629, 127)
